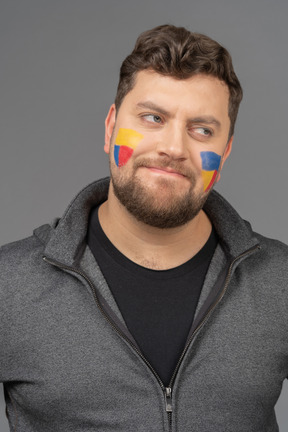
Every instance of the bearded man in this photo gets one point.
(150, 305)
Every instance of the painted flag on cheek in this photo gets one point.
(125, 144)
(210, 166)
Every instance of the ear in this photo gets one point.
(227, 150)
(109, 127)
(225, 156)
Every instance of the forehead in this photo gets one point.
(200, 92)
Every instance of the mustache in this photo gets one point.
(165, 163)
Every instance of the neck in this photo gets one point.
(151, 247)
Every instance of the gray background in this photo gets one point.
(58, 75)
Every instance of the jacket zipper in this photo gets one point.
(210, 310)
(166, 390)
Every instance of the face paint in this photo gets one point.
(210, 165)
(125, 143)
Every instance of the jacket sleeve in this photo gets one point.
(16, 285)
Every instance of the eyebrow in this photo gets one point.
(152, 106)
(205, 119)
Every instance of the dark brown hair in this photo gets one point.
(176, 52)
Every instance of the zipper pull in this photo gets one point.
(168, 399)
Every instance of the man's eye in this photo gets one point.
(153, 118)
(203, 131)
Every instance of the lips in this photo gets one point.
(165, 167)
(166, 170)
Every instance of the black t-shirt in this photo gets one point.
(158, 306)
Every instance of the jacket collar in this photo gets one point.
(235, 234)
(66, 240)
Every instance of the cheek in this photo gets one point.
(125, 143)
(210, 166)
(122, 154)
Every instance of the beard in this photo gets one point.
(162, 205)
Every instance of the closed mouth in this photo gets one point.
(166, 170)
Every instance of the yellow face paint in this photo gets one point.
(208, 178)
(125, 143)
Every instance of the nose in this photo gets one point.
(172, 143)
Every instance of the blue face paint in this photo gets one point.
(210, 166)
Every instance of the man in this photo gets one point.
(150, 305)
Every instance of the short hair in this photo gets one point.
(178, 53)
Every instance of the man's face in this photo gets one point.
(167, 146)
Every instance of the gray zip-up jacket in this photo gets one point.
(68, 362)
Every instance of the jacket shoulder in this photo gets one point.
(18, 258)
(273, 248)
